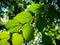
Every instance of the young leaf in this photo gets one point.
(4, 35)
(13, 26)
(4, 42)
(23, 17)
(14, 29)
(17, 39)
(11, 23)
(36, 8)
(28, 32)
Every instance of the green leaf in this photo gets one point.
(4, 42)
(28, 32)
(4, 35)
(36, 8)
(11, 23)
(17, 39)
(46, 40)
(40, 23)
(13, 26)
(23, 17)
(14, 29)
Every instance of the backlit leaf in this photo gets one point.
(14, 29)
(35, 8)
(11, 23)
(28, 32)
(17, 39)
(4, 42)
(4, 35)
(23, 17)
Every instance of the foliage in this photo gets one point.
(17, 39)
(13, 24)
(30, 21)
(28, 32)
(23, 17)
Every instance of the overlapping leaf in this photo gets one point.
(11, 23)
(14, 29)
(13, 26)
(23, 17)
